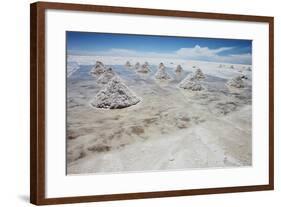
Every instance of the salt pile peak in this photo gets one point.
(137, 65)
(98, 69)
(128, 64)
(192, 81)
(178, 69)
(193, 85)
(115, 95)
(106, 76)
(161, 73)
(161, 65)
(198, 74)
(144, 68)
(236, 82)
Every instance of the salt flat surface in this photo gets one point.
(170, 128)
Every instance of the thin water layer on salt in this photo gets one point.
(171, 128)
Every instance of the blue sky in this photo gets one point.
(206, 49)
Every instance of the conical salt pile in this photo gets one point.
(161, 73)
(161, 65)
(191, 83)
(144, 68)
(198, 74)
(137, 66)
(106, 76)
(178, 69)
(98, 69)
(115, 95)
(128, 64)
(236, 82)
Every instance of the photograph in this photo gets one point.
(144, 103)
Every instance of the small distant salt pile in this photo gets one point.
(198, 74)
(249, 68)
(190, 84)
(220, 66)
(232, 67)
(178, 69)
(115, 95)
(161, 73)
(236, 82)
(192, 81)
(98, 69)
(144, 68)
(106, 76)
(137, 66)
(128, 64)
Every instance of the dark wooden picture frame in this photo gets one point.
(37, 102)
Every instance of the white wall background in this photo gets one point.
(14, 104)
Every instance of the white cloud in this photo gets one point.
(194, 53)
(204, 53)
(197, 52)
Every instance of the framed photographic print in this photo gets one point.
(131, 103)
